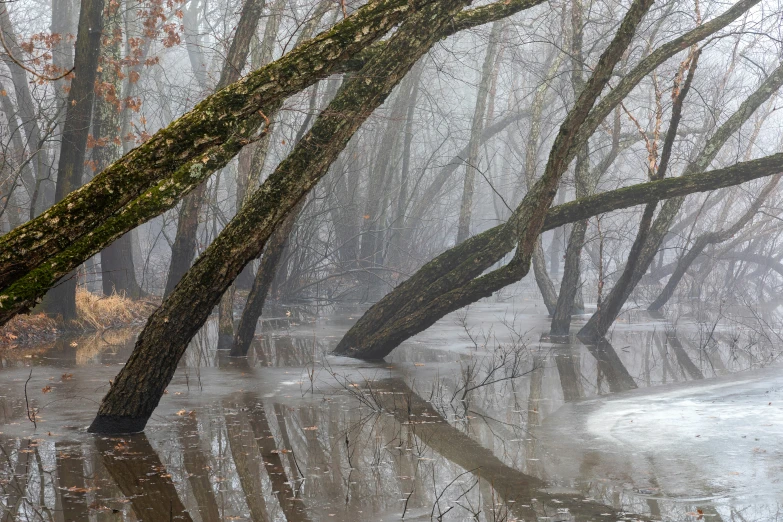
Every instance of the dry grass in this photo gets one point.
(101, 312)
(94, 313)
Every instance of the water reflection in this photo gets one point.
(289, 433)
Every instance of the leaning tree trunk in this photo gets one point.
(448, 262)
(648, 241)
(382, 328)
(226, 307)
(138, 388)
(176, 159)
(62, 298)
(267, 271)
(375, 334)
(150, 179)
(710, 238)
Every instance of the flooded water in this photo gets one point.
(482, 417)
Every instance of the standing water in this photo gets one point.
(482, 417)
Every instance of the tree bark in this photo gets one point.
(202, 145)
(476, 128)
(61, 299)
(139, 386)
(710, 238)
(388, 326)
(151, 178)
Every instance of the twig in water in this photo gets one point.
(27, 402)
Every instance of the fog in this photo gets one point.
(494, 261)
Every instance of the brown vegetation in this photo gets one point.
(93, 313)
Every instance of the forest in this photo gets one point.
(388, 259)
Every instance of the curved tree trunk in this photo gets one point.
(413, 292)
(140, 385)
(462, 285)
(710, 238)
(648, 241)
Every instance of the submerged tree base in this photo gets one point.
(115, 425)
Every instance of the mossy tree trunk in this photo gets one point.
(138, 388)
(151, 178)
